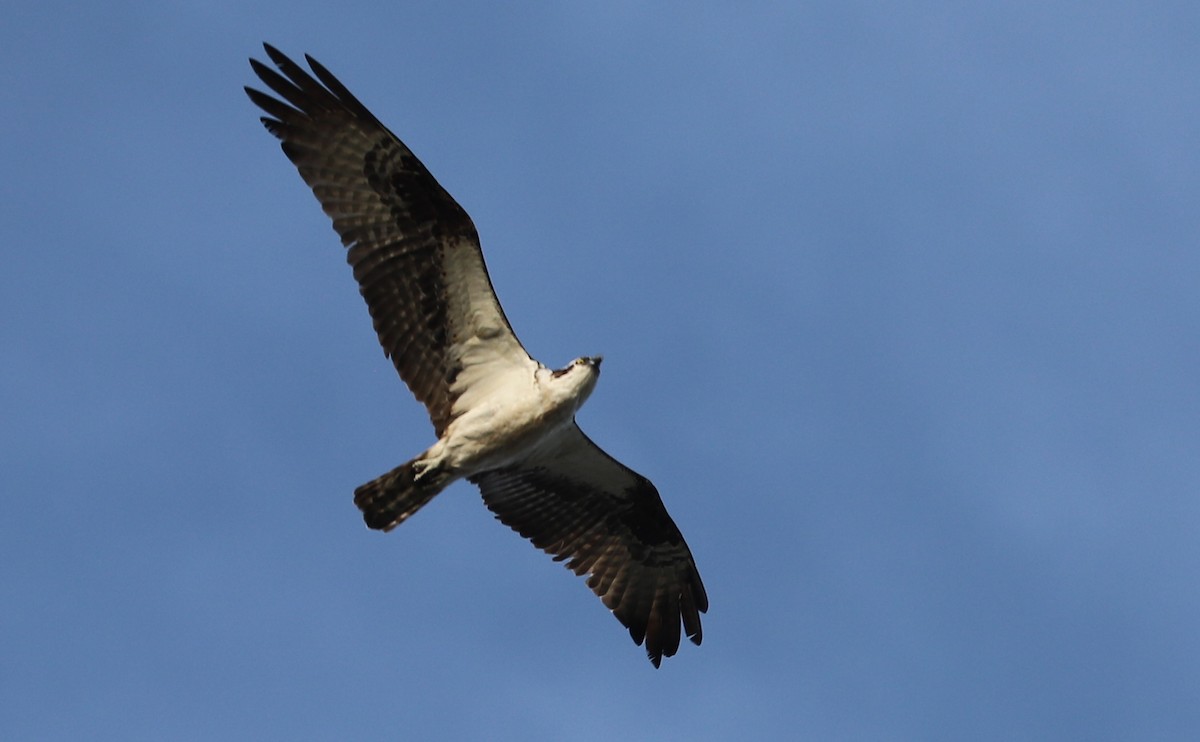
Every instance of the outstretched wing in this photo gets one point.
(577, 503)
(414, 250)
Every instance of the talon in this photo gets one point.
(421, 469)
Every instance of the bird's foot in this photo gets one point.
(423, 468)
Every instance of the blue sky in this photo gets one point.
(899, 310)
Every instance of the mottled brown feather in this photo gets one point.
(607, 522)
(399, 225)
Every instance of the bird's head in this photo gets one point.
(589, 364)
(578, 378)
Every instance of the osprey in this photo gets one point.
(503, 421)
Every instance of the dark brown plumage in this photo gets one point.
(395, 219)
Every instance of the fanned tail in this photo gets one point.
(391, 499)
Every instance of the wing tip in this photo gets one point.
(278, 57)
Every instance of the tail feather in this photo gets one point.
(389, 500)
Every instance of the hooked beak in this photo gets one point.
(595, 360)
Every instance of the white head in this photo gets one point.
(576, 380)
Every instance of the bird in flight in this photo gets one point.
(503, 420)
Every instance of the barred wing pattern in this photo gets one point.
(406, 237)
(577, 503)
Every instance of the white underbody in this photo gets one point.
(506, 416)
